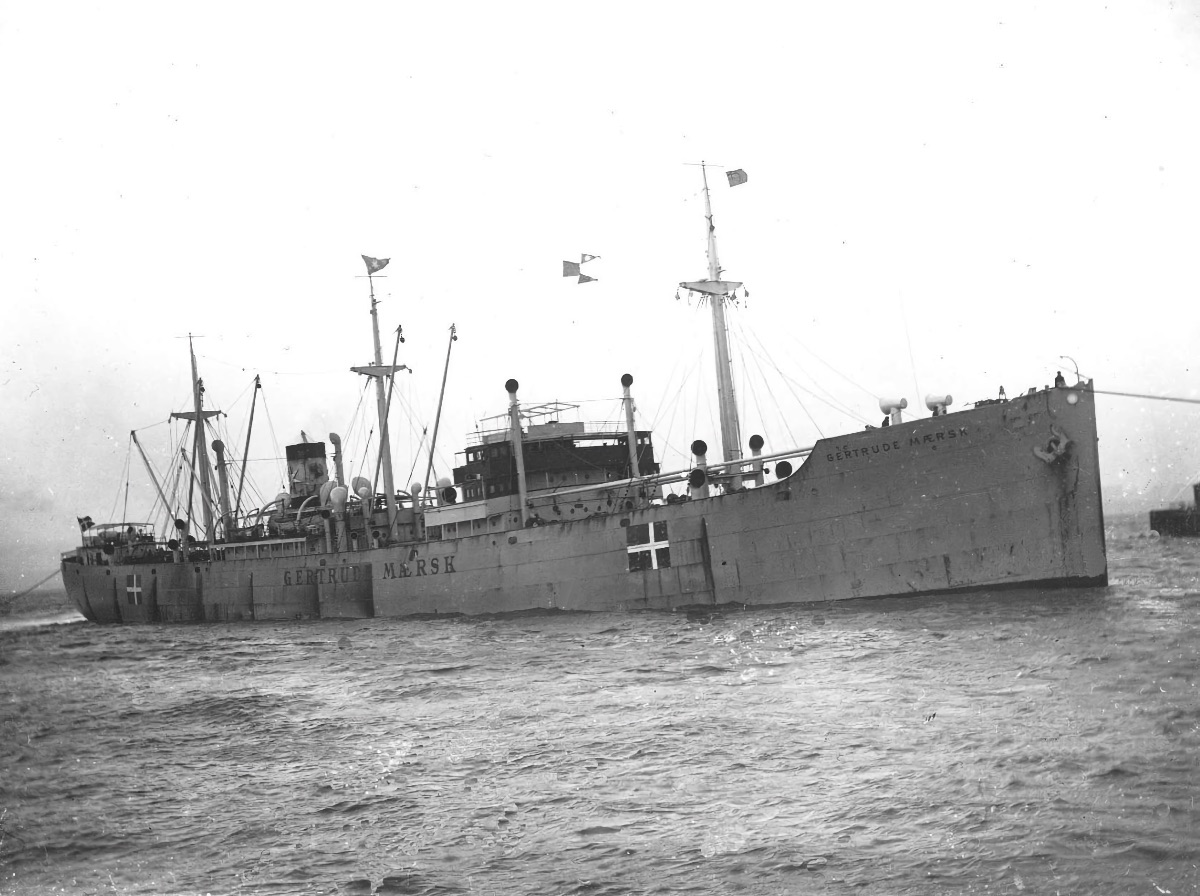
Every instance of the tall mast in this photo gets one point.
(379, 371)
(718, 292)
(200, 450)
(237, 504)
(438, 419)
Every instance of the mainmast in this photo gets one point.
(438, 419)
(200, 449)
(718, 292)
(237, 504)
(380, 371)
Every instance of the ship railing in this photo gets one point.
(589, 428)
(118, 533)
(729, 470)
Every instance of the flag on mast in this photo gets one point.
(571, 268)
(375, 265)
(85, 523)
(736, 177)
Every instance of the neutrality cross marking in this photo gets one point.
(648, 544)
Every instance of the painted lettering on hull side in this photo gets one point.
(420, 566)
(323, 575)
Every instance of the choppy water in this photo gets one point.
(1002, 743)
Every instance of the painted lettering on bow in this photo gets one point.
(847, 453)
(932, 438)
(322, 575)
(892, 446)
(419, 566)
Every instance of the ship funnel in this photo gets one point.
(307, 470)
(938, 403)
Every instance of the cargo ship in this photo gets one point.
(546, 514)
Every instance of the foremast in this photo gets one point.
(719, 291)
(379, 371)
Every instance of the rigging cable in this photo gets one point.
(275, 444)
(856, 385)
(831, 401)
(354, 427)
(679, 406)
(782, 417)
(745, 346)
(125, 476)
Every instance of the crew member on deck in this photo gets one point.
(1059, 380)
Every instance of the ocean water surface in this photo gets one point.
(1011, 742)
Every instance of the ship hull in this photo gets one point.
(1181, 523)
(1006, 494)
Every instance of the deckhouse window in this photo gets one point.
(648, 546)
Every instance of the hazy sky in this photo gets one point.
(942, 198)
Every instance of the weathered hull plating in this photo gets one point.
(971, 500)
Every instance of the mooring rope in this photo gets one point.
(7, 598)
(1151, 397)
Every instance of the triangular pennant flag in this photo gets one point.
(587, 258)
(736, 177)
(570, 268)
(584, 278)
(375, 265)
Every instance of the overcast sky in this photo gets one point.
(942, 197)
